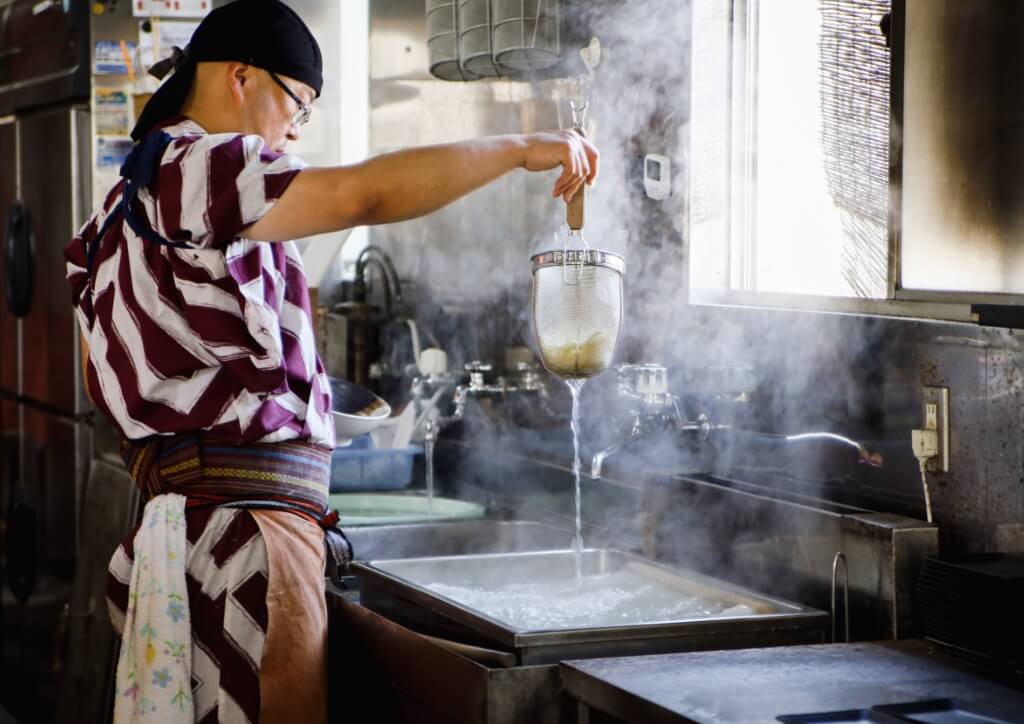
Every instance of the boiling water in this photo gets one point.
(611, 599)
(577, 545)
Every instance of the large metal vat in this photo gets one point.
(399, 590)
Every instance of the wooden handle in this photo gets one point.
(575, 208)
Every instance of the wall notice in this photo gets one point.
(112, 111)
(171, 8)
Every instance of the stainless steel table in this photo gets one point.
(757, 685)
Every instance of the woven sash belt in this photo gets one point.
(292, 476)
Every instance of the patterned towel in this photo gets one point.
(154, 670)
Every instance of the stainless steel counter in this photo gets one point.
(757, 685)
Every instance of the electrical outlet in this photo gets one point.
(936, 417)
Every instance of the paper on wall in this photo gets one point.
(156, 38)
(111, 152)
(171, 8)
(112, 111)
(111, 57)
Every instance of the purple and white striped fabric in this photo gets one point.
(216, 337)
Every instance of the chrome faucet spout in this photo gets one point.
(597, 462)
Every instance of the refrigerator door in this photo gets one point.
(38, 524)
(45, 450)
(46, 445)
(47, 171)
(10, 437)
(8, 322)
(46, 52)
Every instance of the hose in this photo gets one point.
(922, 463)
(387, 267)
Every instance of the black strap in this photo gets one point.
(175, 61)
(138, 170)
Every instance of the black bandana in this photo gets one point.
(264, 33)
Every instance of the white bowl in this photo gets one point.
(347, 427)
(350, 404)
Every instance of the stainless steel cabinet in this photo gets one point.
(45, 443)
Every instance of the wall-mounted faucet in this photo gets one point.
(654, 408)
(435, 379)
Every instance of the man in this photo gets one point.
(199, 345)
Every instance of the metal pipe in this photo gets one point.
(846, 594)
(387, 266)
(873, 459)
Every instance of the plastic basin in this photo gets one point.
(378, 509)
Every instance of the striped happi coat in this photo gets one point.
(217, 336)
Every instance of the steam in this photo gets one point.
(467, 268)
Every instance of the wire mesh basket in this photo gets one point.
(443, 41)
(476, 56)
(526, 34)
(577, 310)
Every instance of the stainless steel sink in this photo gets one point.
(448, 538)
(402, 591)
(453, 538)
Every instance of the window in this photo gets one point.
(790, 141)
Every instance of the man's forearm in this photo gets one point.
(413, 182)
(409, 183)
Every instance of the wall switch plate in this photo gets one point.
(657, 176)
(936, 417)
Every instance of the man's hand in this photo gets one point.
(568, 149)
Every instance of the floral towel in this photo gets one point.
(154, 671)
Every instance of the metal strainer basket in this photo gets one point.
(443, 41)
(527, 34)
(577, 309)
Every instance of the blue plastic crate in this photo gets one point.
(359, 468)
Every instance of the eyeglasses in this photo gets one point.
(301, 116)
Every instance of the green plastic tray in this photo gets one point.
(378, 509)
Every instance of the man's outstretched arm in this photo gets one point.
(413, 182)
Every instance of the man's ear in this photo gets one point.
(239, 79)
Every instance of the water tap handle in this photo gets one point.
(477, 370)
(529, 379)
(651, 380)
(433, 363)
(643, 379)
(647, 385)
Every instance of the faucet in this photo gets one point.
(430, 385)
(435, 379)
(654, 408)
